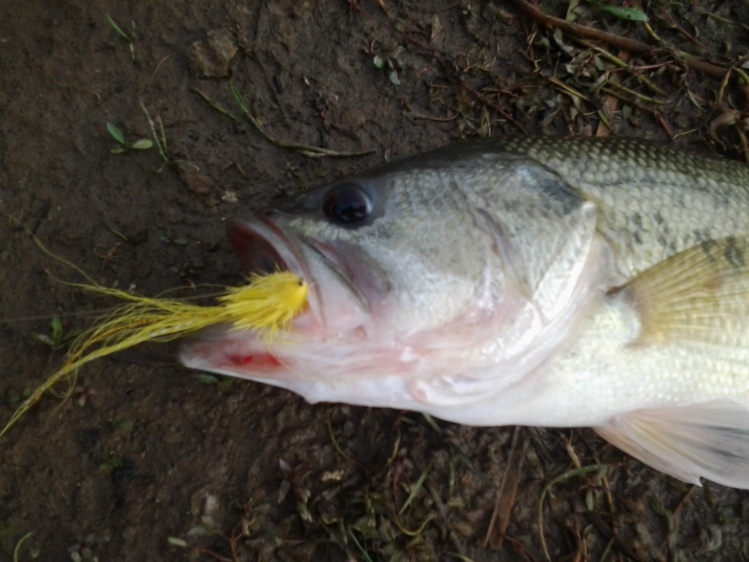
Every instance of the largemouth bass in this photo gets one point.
(534, 281)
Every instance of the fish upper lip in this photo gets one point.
(262, 235)
(260, 230)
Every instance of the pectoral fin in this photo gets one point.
(708, 440)
(694, 307)
(698, 296)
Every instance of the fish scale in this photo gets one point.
(633, 179)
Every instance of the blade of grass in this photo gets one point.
(17, 548)
(215, 105)
(159, 140)
(117, 29)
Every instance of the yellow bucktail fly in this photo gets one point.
(266, 304)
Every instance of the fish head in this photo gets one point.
(432, 282)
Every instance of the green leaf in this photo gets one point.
(630, 14)
(116, 133)
(142, 144)
(206, 379)
(176, 541)
(118, 150)
(56, 326)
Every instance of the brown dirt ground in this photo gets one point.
(146, 450)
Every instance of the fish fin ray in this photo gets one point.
(708, 440)
(698, 295)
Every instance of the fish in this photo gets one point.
(536, 281)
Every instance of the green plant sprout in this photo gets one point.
(124, 36)
(123, 145)
(56, 338)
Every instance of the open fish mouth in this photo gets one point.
(263, 246)
(336, 307)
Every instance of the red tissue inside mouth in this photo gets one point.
(256, 361)
(255, 253)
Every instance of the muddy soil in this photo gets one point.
(149, 461)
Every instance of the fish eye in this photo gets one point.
(347, 204)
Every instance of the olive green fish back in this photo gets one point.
(654, 200)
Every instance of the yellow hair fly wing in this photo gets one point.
(264, 305)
